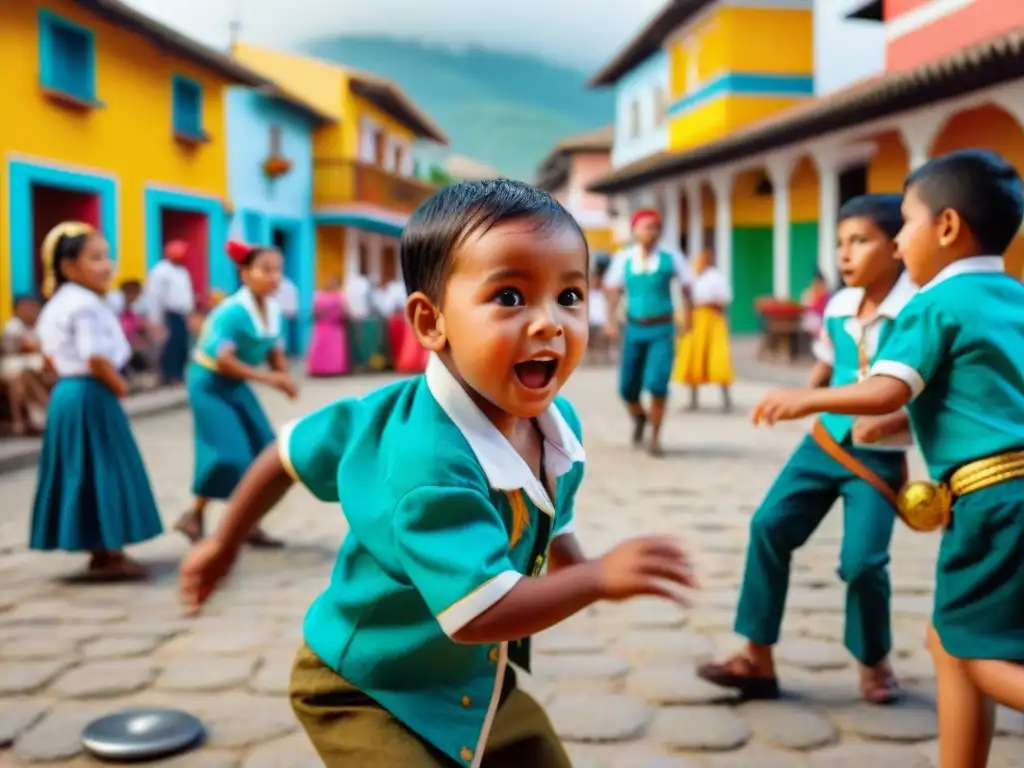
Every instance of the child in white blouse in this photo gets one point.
(93, 493)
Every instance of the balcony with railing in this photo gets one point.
(343, 181)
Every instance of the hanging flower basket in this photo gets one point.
(276, 166)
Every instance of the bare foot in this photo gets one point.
(190, 525)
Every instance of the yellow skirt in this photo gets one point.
(703, 355)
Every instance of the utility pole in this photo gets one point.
(235, 25)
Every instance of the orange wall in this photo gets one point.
(889, 167)
(988, 127)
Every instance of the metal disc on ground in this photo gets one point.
(140, 734)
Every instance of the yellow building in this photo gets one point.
(364, 186)
(113, 119)
(565, 172)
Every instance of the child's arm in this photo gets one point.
(820, 375)
(278, 362)
(263, 485)
(565, 551)
(876, 396)
(870, 429)
(648, 566)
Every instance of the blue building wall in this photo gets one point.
(640, 85)
(263, 206)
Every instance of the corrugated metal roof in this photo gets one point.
(991, 62)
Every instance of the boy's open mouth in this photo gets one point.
(536, 374)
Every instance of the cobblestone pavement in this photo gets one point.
(618, 680)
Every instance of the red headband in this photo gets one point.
(644, 215)
(238, 251)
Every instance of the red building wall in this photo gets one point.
(918, 31)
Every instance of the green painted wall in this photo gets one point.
(803, 256)
(751, 275)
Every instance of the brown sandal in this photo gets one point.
(738, 673)
(878, 684)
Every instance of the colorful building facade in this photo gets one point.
(115, 120)
(763, 188)
(270, 180)
(363, 181)
(567, 171)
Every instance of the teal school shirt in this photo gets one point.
(647, 282)
(236, 324)
(442, 515)
(843, 336)
(959, 346)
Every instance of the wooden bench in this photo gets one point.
(783, 338)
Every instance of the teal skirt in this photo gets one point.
(230, 428)
(979, 586)
(93, 492)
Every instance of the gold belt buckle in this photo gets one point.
(925, 506)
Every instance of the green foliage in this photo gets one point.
(439, 177)
(503, 109)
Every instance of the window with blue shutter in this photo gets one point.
(67, 57)
(187, 108)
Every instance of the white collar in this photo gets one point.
(968, 266)
(503, 466)
(847, 302)
(272, 325)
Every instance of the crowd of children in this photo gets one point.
(459, 485)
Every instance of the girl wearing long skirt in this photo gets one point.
(93, 493)
(230, 427)
(703, 356)
(328, 353)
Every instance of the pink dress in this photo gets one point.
(410, 357)
(328, 352)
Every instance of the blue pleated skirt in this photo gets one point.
(230, 429)
(93, 492)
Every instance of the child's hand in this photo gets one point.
(781, 405)
(286, 384)
(647, 566)
(120, 387)
(203, 570)
(868, 429)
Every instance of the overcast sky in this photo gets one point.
(569, 31)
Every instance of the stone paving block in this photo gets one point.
(558, 641)
(38, 646)
(237, 721)
(206, 673)
(203, 758)
(665, 645)
(599, 718)
(1009, 722)
(274, 673)
(592, 666)
(96, 679)
(788, 725)
(675, 684)
(647, 613)
(120, 646)
(874, 755)
(58, 735)
(704, 729)
(29, 676)
(813, 655)
(755, 756)
(293, 751)
(905, 721)
(18, 715)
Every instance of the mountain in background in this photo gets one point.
(504, 109)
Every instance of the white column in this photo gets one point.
(695, 216)
(828, 216)
(919, 131)
(351, 253)
(671, 229)
(780, 170)
(722, 185)
(376, 246)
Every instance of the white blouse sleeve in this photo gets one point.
(682, 269)
(86, 330)
(615, 277)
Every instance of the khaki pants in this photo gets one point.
(350, 730)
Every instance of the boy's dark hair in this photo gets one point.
(982, 187)
(24, 298)
(131, 283)
(443, 222)
(883, 210)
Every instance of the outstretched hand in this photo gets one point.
(781, 405)
(653, 565)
